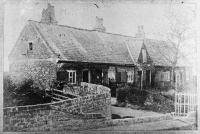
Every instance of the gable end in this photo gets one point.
(30, 45)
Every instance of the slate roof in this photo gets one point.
(81, 45)
(75, 44)
(163, 53)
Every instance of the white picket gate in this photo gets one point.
(184, 103)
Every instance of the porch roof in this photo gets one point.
(97, 63)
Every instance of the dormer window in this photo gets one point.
(144, 55)
(30, 46)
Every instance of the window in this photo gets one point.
(144, 55)
(164, 76)
(71, 76)
(111, 75)
(130, 75)
(167, 76)
(30, 46)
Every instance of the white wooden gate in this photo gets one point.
(184, 103)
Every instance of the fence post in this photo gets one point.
(188, 99)
(175, 102)
(184, 104)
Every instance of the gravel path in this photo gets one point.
(160, 125)
(131, 112)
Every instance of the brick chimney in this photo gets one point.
(48, 15)
(140, 33)
(99, 25)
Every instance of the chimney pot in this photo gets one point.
(48, 15)
(140, 33)
(99, 25)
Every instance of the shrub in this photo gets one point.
(162, 86)
(131, 95)
(27, 94)
(149, 99)
(23, 94)
(137, 96)
(159, 102)
(121, 94)
(8, 88)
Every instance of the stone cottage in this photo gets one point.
(46, 50)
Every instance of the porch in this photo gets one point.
(106, 74)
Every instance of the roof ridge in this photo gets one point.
(90, 30)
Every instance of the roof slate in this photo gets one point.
(75, 44)
(163, 54)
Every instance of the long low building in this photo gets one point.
(46, 51)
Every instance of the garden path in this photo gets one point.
(159, 125)
(123, 111)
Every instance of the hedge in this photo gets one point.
(148, 99)
(132, 95)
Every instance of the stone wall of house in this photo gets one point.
(21, 49)
(72, 113)
(40, 71)
(35, 64)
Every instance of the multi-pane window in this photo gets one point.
(167, 76)
(163, 76)
(130, 75)
(67, 75)
(71, 76)
(144, 55)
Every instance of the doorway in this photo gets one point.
(86, 76)
(140, 79)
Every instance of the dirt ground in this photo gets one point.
(159, 125)
(124, 111)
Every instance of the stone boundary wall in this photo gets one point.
(88, 112)
(87, 89)
(95, 89)
(44, 117)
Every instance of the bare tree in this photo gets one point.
(178, 34)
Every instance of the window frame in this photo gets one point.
(164, 76)
(73, 77)
(30, 43)
(167, 76)
(130, 76)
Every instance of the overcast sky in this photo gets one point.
(121, 18)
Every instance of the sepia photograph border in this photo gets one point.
(197, 15)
